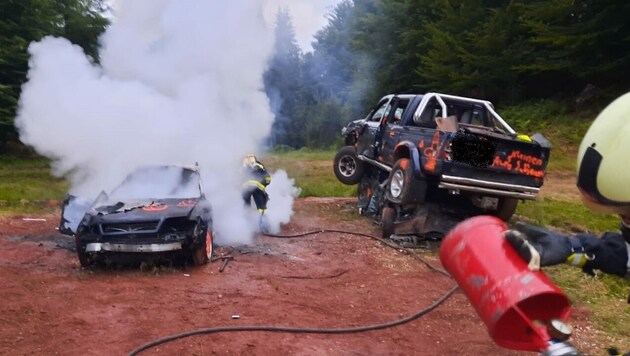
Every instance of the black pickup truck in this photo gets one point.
(454, 152)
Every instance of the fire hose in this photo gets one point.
(284, 329)
(383, 241)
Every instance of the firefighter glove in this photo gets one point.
(540, 247)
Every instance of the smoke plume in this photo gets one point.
(178, 82)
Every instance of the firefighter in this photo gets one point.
(255, 186)
(603, 179)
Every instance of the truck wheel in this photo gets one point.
(387, 221)
(399, 181)
(347, 166)
(506, 208)
(202, 253)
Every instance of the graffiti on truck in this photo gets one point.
(521, 163)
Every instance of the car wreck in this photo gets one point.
(156, 210)
(424, 162)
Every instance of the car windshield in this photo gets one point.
(161, 182)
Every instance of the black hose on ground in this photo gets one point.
(286, 329)
(381, 240)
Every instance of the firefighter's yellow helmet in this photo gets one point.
(249, 160)
(603, 174)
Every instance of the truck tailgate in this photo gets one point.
(509, 165)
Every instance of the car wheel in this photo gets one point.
(387, 221)
(84, 258)
(202, 253)
(399, 181)
(506, 208)
(347, 166)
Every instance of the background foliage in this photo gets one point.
(575, 52)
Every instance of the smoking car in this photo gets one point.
(155, 210)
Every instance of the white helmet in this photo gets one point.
(603, 172)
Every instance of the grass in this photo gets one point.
(312, 171)
(605, 297)
(303, 154)
(26, 186)
(565, 215)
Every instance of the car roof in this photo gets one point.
(448, 96)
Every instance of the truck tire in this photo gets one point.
(347, 166)
(506, 208)
(399, 182)
(202, 253)
(387, 221)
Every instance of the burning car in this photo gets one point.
(155, 210)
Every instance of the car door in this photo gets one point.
(367, 137)
(392, 128)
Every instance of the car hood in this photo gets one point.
(141, 210)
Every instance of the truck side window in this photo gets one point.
(381, 112)
(479, 116)
(400, 107)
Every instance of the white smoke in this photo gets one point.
(282, 192)
(179, 82)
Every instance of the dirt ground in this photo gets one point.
(560, 185)
(50, 306)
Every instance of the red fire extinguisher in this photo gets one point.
(522, 309)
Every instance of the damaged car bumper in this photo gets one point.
(113, 247)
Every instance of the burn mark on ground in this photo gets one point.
(55, 241)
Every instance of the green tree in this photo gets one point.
(82, 22)
(471, 48)
(369, 43)
(283, 84)
(577, 42)
(324, 126)
(25, 21)
(332, 63)
(332, 70)
(502, 50)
